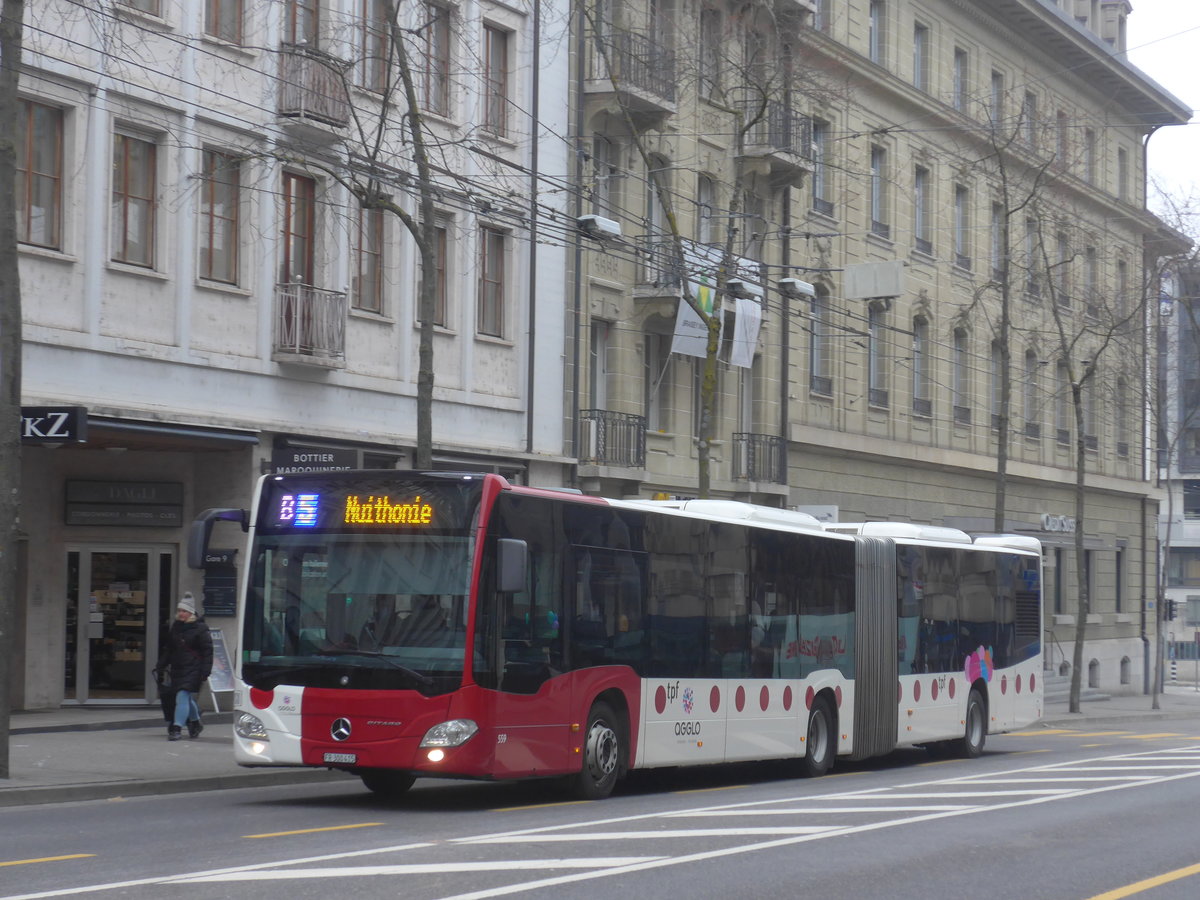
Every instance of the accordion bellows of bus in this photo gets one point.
(402, 624)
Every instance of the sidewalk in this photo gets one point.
(90, 753)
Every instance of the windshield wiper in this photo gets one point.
(422, 680)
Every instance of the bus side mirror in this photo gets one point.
(202, 528)
(512, 565)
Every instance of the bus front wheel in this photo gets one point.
(601, 754)
(820, 746)
(386, 783)
(971, 744)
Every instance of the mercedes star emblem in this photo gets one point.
(340, 729)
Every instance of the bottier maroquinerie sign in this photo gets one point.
(53, 424)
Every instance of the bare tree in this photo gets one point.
(11, 24)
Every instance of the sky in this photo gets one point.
(1163, 40)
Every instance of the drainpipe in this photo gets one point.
(580, 48)
(534, 113)
(785, 327)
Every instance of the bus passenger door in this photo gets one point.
(533, 702)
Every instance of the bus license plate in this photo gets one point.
(341, 757)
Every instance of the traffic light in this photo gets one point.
(1169, 611)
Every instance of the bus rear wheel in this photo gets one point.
(386, 782)
(602, 753)
(820, 745)
(971, 744)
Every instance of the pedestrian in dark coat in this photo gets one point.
(186, 656)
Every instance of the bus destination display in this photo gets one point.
(296, 510)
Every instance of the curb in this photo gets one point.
(208, 719)
(66, 793)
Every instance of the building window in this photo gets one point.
(962, 79)
(922, 403)
(1122, 288)
(962, 227)
(491, 282)
(877, 32)
(1029, 120)
(300, 24)
(39, 175)
(1089, 156)
(706, 199)
(1121, 418)
(821, 201)
(1122, 174)
(922, 227)
(598, 365)
(1062, 403)
(1062, 139)
(877, 356)
(820, 350)
(299, 212)
(1091, 274)
(151, 7)
(376, 45)
(1191, 499)
(960, 377)
(821, 15)
(710, 55)
(1033, 284)
(220, 202)
(1033, 428)
(495, 80)
(223, 20)
(997, 242)
(1183, 567)
(879, 205)
(133, 200)
(604, 174)
(921, 56)
(1119, 591)
(656, 381)
(996, 377)
(436, 92)
(1062, 270)
(440, 248)
(996, 110)
(1091, 435)
(367, 289)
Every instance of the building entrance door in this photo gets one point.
(115, 598)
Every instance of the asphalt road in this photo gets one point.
(1043, 814)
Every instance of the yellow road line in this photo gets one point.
(1102, 733)
(1138, 886)
(1041, 732)
(1151, 737)
(540, 805)
(313, 830)
(727, 787)
(25, 862)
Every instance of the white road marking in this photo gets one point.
(643, 835)
(502, 865)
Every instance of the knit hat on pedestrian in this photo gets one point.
(187, 603)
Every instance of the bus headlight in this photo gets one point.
(454, 733)
(250, 727)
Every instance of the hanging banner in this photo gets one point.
(691, 334)
(746, 326)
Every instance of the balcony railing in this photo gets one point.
(633, 61)
(778, 128)
(310, 322)
(661, 265)
(612, 439)
(312, 86)
(759, 457)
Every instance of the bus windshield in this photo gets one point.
(390, 607)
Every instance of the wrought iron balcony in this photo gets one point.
(310, 325)
(640, 70)
(779, 135)
(660, 265)
(759, 457)
(609, 438)
(312, 86)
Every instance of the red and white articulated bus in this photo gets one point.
(401, 624)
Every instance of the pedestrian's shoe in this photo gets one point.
(194, 728)
(174, 733)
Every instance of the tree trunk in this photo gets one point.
(11, 21)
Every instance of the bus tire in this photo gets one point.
(970, 746)
(387, 782)
(602, 754)
(820, 746)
